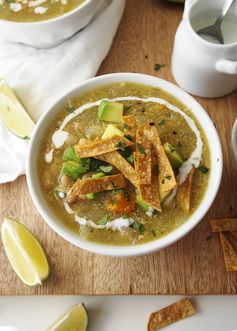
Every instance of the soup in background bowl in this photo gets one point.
(44, 24)
(122, 165)
(35, 10)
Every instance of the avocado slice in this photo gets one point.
(110, 111)
(70, 155)
(98, 175)
(90, 196)
(173, 156)
(74, 169)
(111, 131)
(142, 204)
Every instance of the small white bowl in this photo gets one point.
(194, 219)
(234, 142)
(49, 33)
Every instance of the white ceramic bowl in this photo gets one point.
(234, 142)
(48, 33)
(195, 218)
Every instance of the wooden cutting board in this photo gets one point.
(194, 265)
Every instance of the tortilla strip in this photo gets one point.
(225, 224)
(234, 234)
(121, 164)
(166, 175)
(101, 146)
(143, 157)
(170, 314)
(230, 255)
(130, 127)
(184, 192)
(150, 193)
(91, 185)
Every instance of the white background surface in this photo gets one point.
(117, 313)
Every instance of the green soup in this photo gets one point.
(35, 10)
(84, 216)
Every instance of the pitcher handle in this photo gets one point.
(226, 66)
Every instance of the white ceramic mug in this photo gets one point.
(201, 67)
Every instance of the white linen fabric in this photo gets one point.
(41, 76)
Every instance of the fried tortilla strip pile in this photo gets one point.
(225, 224)
(121, 164)
(166, 175)
(101, 146)
(230, 255)
(130, 126)
(184, 192)
(143, 157)
(150, 193)
(91, 185)
(170, 314)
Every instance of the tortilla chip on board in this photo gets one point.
(225, 224)
(230, 255)
(143, 157)
(184, 192)
(92, 185)
(101, 146)
(121, 164)
(166, 175)
(170, 314)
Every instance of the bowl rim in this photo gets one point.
(51, 20)
(234, 142)
(175, 235)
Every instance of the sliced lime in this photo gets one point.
(24, 252)
(75, 319)
(13, 114)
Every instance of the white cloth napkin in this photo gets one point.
(41, 76)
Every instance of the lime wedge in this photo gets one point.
(24, 252)
(75, 319)
(13, 114)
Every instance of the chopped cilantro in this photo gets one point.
(142, 229)
(140, 149)
(168, 177)
(120, 145)
(153, 233)
(26, 137)
(70, 109)
(172, 149)
(106, 169)
(126, 195)
(158, 66)
(156, 170)
(127, 107)
(162, 122)
(127, 127)
(203, 169)
(128, 136)
(131, 158)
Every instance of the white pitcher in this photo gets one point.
(201, 67)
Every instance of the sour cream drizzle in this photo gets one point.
(116, 224)
(59, 137)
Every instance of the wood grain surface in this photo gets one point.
(195, 264)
